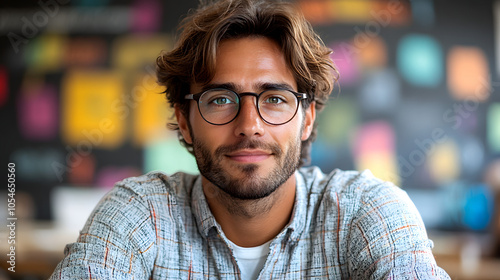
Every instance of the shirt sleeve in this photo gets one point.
(117, 241)
(388, 239)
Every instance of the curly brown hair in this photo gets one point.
(193, 58)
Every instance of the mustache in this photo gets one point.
(248, 144)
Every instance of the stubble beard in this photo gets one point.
(252, 186)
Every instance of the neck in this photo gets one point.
(250, 223)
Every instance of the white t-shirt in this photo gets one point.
(250, 259)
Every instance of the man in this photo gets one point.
(246, 80)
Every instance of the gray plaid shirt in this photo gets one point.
(345, 225)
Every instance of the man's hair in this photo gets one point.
(193, 58)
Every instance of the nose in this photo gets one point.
(248, 123)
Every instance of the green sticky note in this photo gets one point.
(494, 127)
(170, 157)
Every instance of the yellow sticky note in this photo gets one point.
(45, 54)
(468, 74)
(444, 162)
(91, 111)
(152, 111)
(351, 10)
(382, 164)
(136, 51)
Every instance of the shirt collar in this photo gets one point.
(298, 218)
(204, 218)
(206, 221)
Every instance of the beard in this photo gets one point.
(252, 186)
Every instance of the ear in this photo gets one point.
(183, 125)
(310, 116)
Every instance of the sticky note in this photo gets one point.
(372, 51)
(83, 173)
(152, 111)
(420, 60)
(91, 3)
(108, 176)
(38, 111)
(351, 11)
(316, 12)
(337, 122)
(496, 29)
(493, 127)
(345, 58)
(94, 109)
(468, 74)
(325, 155)
(138, 51)
(374, 149)
(4, 86)
(35, 164)
(169, 156)
(375, 14)
(472, 154)
(444, 162)
(45, 53)
(380, 91)
(85, 51)
(146, 15)
(492, 174)
(478, 208)
(423, 12)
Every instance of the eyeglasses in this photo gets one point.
(221, 106)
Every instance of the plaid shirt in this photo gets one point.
(344, 225)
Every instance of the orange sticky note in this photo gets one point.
(468, 74)
(372, 51)
(91, 112)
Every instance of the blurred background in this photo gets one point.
(418, 104)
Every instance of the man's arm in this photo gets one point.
(388, 239)
(117, 242)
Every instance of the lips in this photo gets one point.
(249, 156)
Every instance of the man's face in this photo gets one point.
(247, 158)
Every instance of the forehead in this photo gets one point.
(251, 61)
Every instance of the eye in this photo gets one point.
(222, 101)
(274, 100)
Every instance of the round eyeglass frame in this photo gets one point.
(196, 97)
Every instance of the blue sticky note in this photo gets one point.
(420, 60)
(423, 12)
(478, 207)
(380, 91)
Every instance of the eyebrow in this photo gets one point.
(260, 86)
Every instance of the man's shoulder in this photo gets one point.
(351, 185)
(158, 183)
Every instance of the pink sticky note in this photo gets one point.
(4, 88)
(347, 62)
(374, 137)
(37, 111)
(146, 16)
(108, 176)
